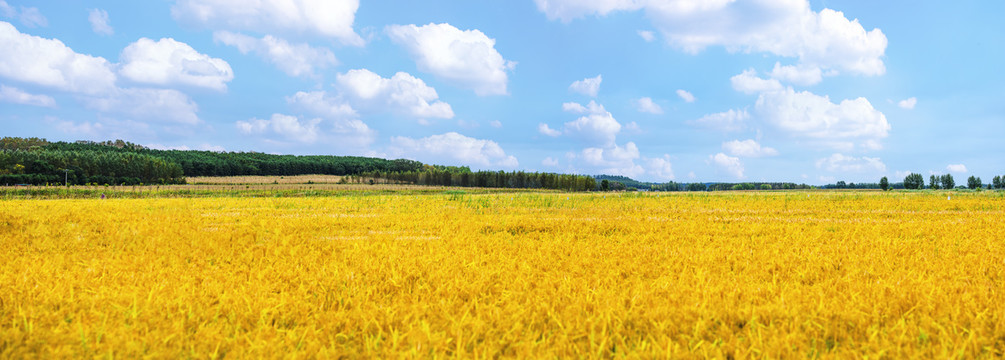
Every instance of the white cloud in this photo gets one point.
(29, 16)
(804, 114)
(402, 93)
(325, 18)
(169, 62)
(588, 86)
(496, 124)
(647, 105)
(544, 129)
(803, 75)
(598, 126)
(287, 126)
(454, 148)
(647, 35)
(686, 96)
(549, 161)
(633, 126)
(788, 28)
(321, 104)
(749, 83)
(165, 105)
(99, 22)
(845, 164)
(466, 58)
(18, 96)
(732, 120)
(566, 10)
(957, 168)
(292, 59)
(908, 104)
(660, 168)
(747, 148)
(614, 160)
(730, 165)
(50, 63)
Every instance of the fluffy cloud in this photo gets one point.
(321, 104)
(614, 159)
(402, 93)
(454, 148)
(549, 161)
(661, 168)
(546, 130)
(168, 62)
(597, 126)
(686, 96)
(647, 105)
(804, 114)
(99, 22)
(647, 35)
(50, 63)
(747, 148)
(168, 106)
(749, 83)
(803, 75)
(29, 16)
(957, 168)
(787, 28)
(467, 58)
(908, 104)
(326, 18)
(287, 126)
(728, 164)
(732, 120)
(292, 59)
(18, 96)
(588, 86)
(845, 164)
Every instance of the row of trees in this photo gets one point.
(82, 167)
(499, 179)
(916, 181)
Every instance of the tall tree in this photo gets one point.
(914, 181)
(884, 184)
(933, 182)
(947, 181)
(973, 182)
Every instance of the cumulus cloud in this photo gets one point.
(647, 105)
(728, 164)
(845, 164)
(588, 86)
(50, 63)
(749, 83)
(168, 62)
(292, 59)
(324, 18)
(788, 28)
(99, 22)
(597, 126)
(686, 96)
(17, 96)
(804, 114)
(803, 75)
(287, 126)
(168, 106)
(29, 16)
(402, 93)
(647, 35)
(467, 58)
(452, 147)
(908, 104)
(546, 130)
(747, 148)
(322, 104)
(732, 120)
(549, 161)
(957, 168)
(660, 168)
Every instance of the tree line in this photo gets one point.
(463, 177)
(915, 181)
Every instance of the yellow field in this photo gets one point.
(800, 274)
(240, 180)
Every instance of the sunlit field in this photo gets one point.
(543, 275)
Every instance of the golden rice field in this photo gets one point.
(721, 275)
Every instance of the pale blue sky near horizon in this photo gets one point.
(685, 90)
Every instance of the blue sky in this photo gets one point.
(684, 90)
